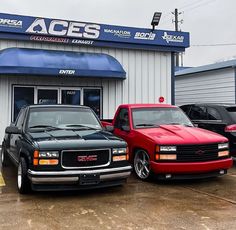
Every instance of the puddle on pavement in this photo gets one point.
(2, 182)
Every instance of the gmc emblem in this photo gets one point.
(87, 158)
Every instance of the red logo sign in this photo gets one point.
(200, 152)
(87, 158)
(161, 99)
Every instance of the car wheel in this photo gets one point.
(142, 165)
(23, 183)
(4, 158)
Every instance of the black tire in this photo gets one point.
(142, 165)
(23, 182)
(4, 157)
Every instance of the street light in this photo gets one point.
(156, 19)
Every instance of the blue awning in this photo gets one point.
(23, 61)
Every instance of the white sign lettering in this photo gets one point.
(55, 23)
(62, 28)
(84, 42)
(173, 38)
(119, 33)
(145, 36)
(10, 23)
(67, 72)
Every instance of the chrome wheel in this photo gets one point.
(3, 157)
(19, 176)
(142, 164)
(23, 182)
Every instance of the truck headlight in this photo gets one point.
(168, 148)
(45, 158)
(223, 145)
(120, 154)
(119, 151)
(48, 154)
(170, 151)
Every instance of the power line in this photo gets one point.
(190, 4)
(166, 15)
(199, 5)
(164, 20)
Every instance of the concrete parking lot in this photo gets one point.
(204, 204)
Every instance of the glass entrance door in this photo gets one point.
(92, 98)
(47, 96)
(70, 96)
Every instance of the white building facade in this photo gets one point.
(101, 66)
(213, 83)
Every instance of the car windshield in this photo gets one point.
(232, 112)
(153, 117)
(62, 118)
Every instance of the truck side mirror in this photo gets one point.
(109, 128)
(12, 130)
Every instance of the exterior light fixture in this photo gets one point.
(156, 19)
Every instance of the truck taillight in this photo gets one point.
(230, 128)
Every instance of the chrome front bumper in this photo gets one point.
(72, 176)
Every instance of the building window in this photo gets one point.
(47, 96)
(22, 96)
(28, 95)
(92, 99)
(70, 97)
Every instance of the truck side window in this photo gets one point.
(186, 108)
(198, 113)
(213, 114)
(20, 119)
(122, 119)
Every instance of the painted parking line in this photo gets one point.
(2, 182)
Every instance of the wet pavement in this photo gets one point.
(201, 204)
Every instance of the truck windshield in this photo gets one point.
(55, 117)
(153, 117)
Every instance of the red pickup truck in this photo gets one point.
(164, 142)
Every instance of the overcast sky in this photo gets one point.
(210, 22)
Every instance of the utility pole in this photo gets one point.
(177, 21)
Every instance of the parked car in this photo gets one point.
(57, 147)
(219, 118)
(163, 141)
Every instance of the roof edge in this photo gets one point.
(206, 68)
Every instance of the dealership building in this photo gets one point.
(53, 61)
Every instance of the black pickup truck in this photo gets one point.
(62, 147)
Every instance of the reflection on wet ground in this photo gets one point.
(201, 204)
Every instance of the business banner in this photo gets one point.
(72, 32)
